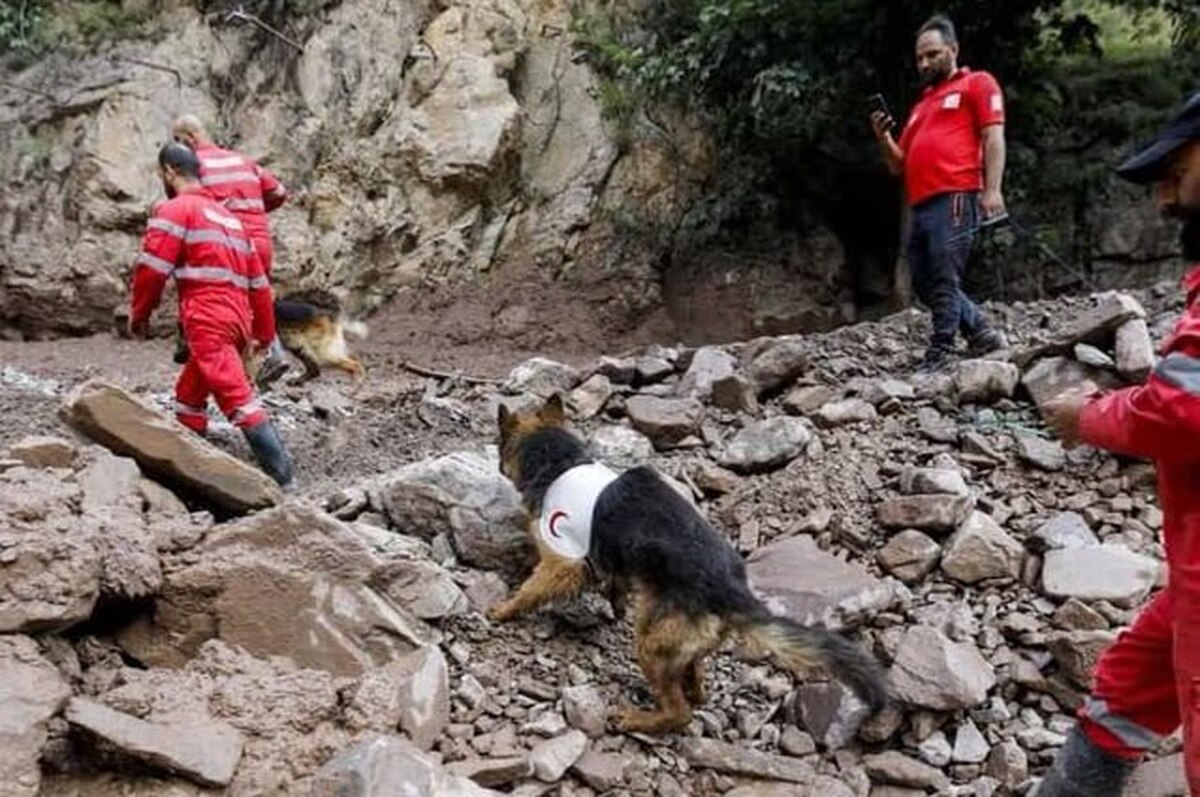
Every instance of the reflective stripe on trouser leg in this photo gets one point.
(1128, 732)
(249, 414)
(1134, 702)
(220, 363)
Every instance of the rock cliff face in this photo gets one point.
(450, 160)
(430, 148)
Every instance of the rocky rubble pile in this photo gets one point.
(336, 644)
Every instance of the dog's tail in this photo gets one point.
(802, 648)
(355, 329)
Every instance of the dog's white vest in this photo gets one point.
(565, 524)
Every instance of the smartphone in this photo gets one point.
(875, 103)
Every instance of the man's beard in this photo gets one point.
(169, 190)
(933, 77)
(1189, 237)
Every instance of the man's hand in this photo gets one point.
(882, 123)
(1062, 412)
(138, 329)
(992, 203)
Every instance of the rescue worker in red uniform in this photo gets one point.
(1147, 684)
(250, 192)
(951, 155)
(225, 305)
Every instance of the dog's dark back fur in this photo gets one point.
(288, 311)
(644, 531)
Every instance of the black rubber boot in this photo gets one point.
(270, 452)
(1081, 769)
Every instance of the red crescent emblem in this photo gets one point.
(556, 516)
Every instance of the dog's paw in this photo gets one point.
(638, 721)
(501, 612)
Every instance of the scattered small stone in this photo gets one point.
(935, 426)
(846, 411)
(766, 445)
(586, 709)
(898, 769)
(1065, 530)
(552, 758)
(930, 671)
(969, 745)
(981, 550)
(1008, 764)
(936, 513)
(735, 393)
(985, 381)
(909, 556)
(935, 750)
(1044, 454)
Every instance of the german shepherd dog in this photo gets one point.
(687, 584)
(311, 327)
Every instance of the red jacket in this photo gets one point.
(219, 279)
(246, 188)
(1160, 420)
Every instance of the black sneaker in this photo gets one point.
(270, 371)
(986, 341)
(936, 359)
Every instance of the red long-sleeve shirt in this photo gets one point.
(1160, 420)
(241, 185)
(206, 249)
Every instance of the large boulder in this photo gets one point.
(380, 765)
(465, 495)
(31, 692)
(166, 450)
(797, 579)
(709, 364)
(290, 582)
(202, 751)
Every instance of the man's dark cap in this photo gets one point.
(1149, 164)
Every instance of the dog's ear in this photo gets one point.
(505, 418)
(553, 412)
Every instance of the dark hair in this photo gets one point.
(940, 23)
(181, 158)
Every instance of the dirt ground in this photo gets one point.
(335, 440)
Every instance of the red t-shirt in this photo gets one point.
(943, 139)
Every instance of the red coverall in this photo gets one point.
(246, 189)
(1148, 682)
(224, 300)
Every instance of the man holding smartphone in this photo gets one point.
(951, 155)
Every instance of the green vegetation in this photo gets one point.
(783, 84)
(30, 27)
